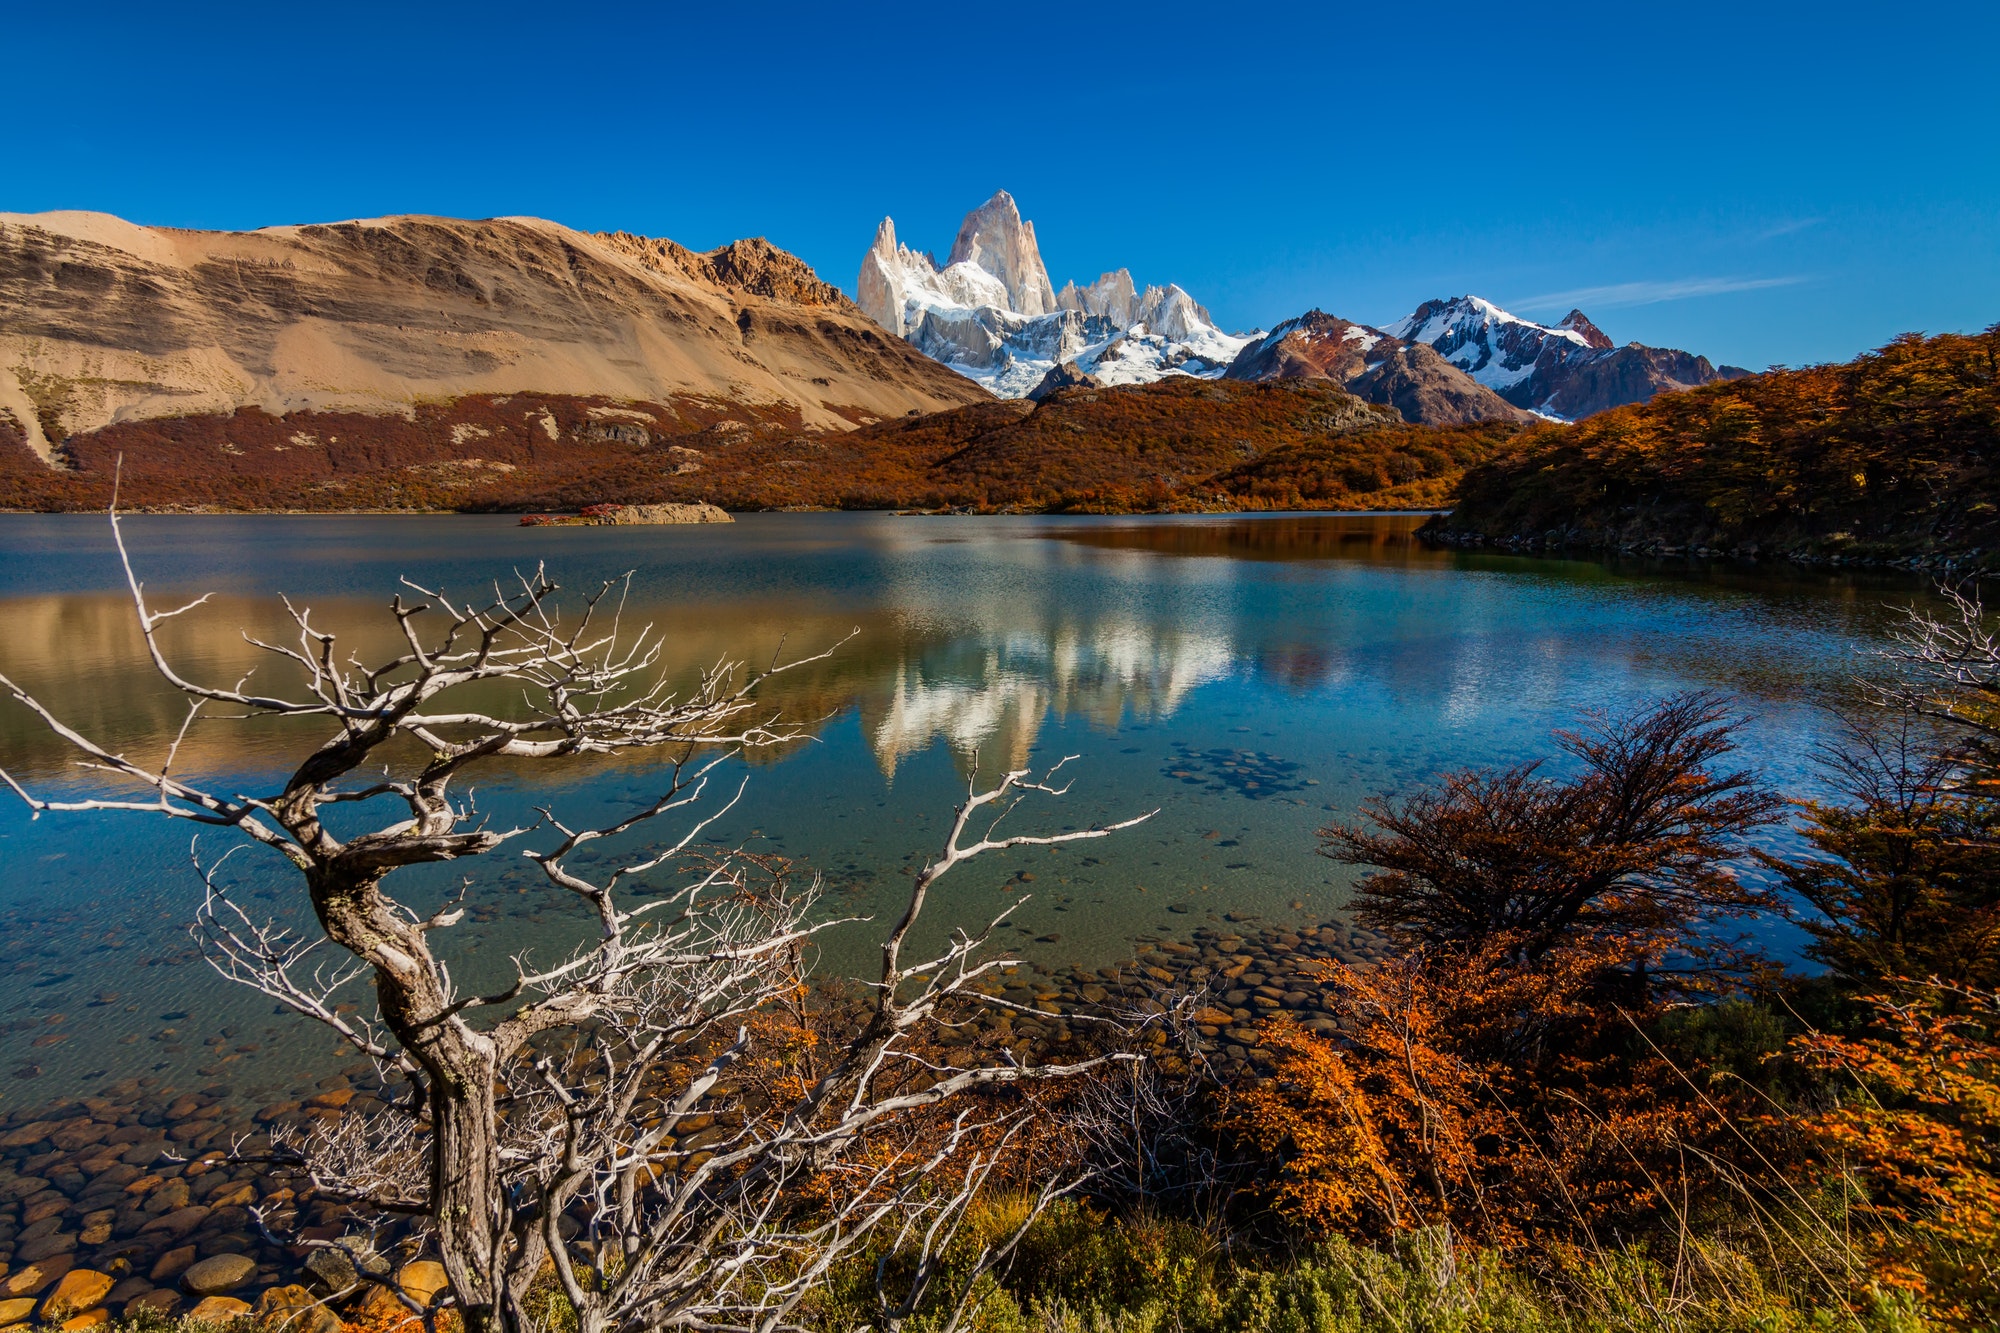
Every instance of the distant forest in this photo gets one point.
(1889, 456)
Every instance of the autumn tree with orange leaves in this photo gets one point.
(1920, 1129)
(1489, 1076)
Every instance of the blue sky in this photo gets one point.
(1761, 183)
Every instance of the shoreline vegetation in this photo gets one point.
(1887, 459)
(1884, 460)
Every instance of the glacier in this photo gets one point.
(990, 312)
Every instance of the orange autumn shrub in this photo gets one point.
(1375, 1135)
(1507, 1097)
(1921, 1131)
(1497, 1076)
(1635, 847)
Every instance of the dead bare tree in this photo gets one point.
(578, 1120)
(1949, 676)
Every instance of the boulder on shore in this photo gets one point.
(79, 1290)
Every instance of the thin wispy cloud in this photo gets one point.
(1787, 228)
(1621, 294)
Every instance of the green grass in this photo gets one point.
(1080, 1272)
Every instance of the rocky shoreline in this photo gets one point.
(1588, 544)
(108, 1209)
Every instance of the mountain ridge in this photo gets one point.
(1411, 378)
(104, 321)
(1177, 445)
(1887, 458)
(1568, 370)
(991, 313)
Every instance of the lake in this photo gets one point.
(1254, 678)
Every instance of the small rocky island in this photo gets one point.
(630, 516)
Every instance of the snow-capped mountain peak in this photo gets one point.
(896, 279)
(1494, 347)
(1578, 323)
(1568, 369)
(991, 313)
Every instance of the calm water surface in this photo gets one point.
(1254, 678)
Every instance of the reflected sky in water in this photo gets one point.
(1254, 678)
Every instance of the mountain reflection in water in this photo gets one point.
(1254, 678)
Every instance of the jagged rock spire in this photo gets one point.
(994, 237)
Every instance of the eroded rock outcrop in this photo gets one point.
(625, 516)
(1068, 375)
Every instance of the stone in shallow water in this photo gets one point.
(41, 1210)
(172, 1264)
(131, 1289)
(31, 1278)
(23, 1187)
(80, 1289)
(218, 1309)
(46, 1247)
(221, 1273)
(177, 1224)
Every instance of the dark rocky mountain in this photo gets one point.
(1375, 367)
(1068, 375)
(1570, 369)
(1580, 385)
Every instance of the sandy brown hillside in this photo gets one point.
(103, 321)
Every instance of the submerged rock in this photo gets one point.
(213, 1276)
(218, 1310)
(79, 1290)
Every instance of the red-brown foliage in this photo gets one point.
(1634, 847)
(1180, 444)
(1891, 453)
